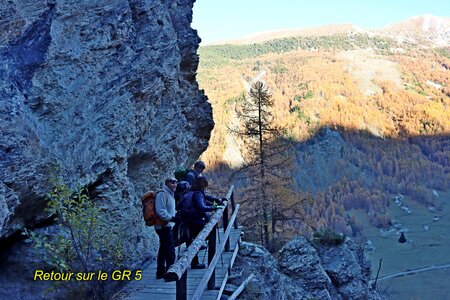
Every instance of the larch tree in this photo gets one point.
(267, 171)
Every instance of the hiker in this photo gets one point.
(179, 231)
(165, 209)
(199, 166)
(194, 208)
(182, 188)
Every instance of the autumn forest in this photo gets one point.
(367, 119)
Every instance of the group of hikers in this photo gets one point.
(184, 207)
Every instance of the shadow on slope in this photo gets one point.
(349, 169)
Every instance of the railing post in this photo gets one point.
(211, 253)
(233, 206)
(208, 276)
(225, 226)
(182, 287)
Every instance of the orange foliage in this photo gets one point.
(314, 89)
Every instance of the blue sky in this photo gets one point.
(218, 20)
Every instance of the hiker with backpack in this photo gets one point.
(191, 175)
(179, 231)
(165, 210)
(199, 166)
(182, 188)
(186, 178)
(194, 209)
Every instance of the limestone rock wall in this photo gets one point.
(106, 91)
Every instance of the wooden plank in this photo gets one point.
(151, 288)
(212, 247)
(209, 295)
(225, 226)
(181, 287)
(241, 287)
(210, 270)
(222, 286)
(233, 258)
(233, 207)
(154, 295)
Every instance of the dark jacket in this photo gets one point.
(202, 207)
(194, 208)
(190, 177)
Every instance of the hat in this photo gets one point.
(171, 178)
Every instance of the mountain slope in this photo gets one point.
(427, 28)
(383, 93)
(285, 33)
(431, 30)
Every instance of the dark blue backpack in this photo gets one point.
(182, 188)
(185, 206)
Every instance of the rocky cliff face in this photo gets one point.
(106, 91)
(301, 271)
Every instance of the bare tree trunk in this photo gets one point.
(265, 219)
(262, 166)
(374, 286)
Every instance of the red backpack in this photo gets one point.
(149, 209)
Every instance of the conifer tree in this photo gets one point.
(267, 170)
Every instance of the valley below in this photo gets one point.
(423, 259)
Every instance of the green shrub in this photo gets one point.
(302, 116)
(86, 240)
(328, 237)
(444, 51)
(309, 94)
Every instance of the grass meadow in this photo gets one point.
(428, 244)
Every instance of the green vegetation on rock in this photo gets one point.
(85, 240)
(225, 54)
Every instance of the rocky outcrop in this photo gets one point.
(303, 271)
(323, 160)
(105, 91)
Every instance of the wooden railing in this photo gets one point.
(178, 271)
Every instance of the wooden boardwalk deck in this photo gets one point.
(149, 288)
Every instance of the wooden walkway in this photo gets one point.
(149, 288)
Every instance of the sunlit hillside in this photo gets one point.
(368, 114)
(387, 99)
(354, 82)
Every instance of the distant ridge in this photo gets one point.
(435, 30)
(426, 29)
(283, 33)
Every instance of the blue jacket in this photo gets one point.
(200, 205)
